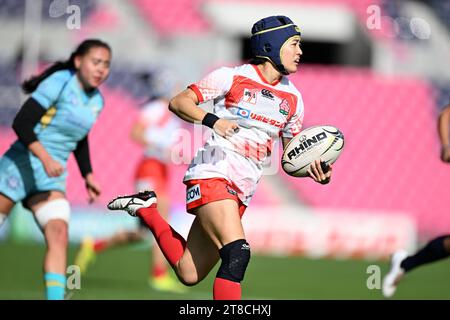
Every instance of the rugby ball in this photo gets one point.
(318, 142)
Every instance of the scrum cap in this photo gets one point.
(268, 37)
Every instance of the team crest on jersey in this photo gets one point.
(244, 113)
(13, 182)
(95, 110)
(250, 95)
(193, 193)
(284, 107)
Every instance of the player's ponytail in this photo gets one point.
(28, 86)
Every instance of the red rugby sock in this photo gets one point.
(159, 271)
(170, 242)
(100, 245)
(226, 290)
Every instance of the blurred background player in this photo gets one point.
(224, 174)
(436, 249)
(52, 123)
(155, 130)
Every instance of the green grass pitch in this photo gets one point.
(121, 273)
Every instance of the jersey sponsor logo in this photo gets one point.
(250, 95)
(193, 193)
(268, 120)
(244, 113)
(266, 93)
(284, 107)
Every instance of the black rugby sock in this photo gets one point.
(433, 251)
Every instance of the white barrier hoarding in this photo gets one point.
(269, 230)
(329, 233)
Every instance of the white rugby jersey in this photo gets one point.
(263, 111)
(160, 129)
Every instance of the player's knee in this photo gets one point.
(188, 280)
(123, 237)
(3, 217)
(134, 236)
(188, 277)
(235, 258)
(56, 233)
(57, 209)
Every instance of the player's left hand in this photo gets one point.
(320, 172)
(92, 187)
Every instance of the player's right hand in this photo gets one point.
(226, 128)
(445, 153)
(320, 172)
(53, 168)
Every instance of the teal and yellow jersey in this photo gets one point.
(71, 113)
